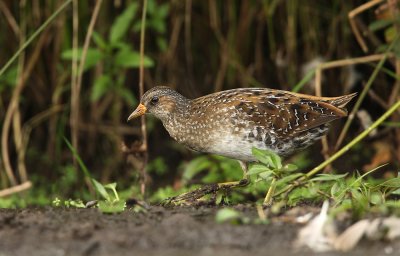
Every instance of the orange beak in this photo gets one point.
(139, 111)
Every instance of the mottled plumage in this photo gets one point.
(231, 122)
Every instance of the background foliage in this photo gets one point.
(197, 47)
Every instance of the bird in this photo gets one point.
(232, 122)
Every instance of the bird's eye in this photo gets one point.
(154, 100)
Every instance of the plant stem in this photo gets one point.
(34, 35)
(270, 193)
(141, 88)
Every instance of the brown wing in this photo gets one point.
(284, 112)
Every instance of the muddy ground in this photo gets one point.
(159, 231)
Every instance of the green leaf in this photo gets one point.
(226, 214)
(100, 87)
(93, 56)
(257, 168)
(288, 179)
(113, 188)
(376, 198)
(151, 6)
(290, 168)
(391, 183)
(337, 190)
(328, 177)
(158, 25)
(121, 24)
(131, 59)
(127, 95)
(163, 11)
(101, 190)
(276, 160)
(162, 44)
(264, 156)
(196, 166)
(76, 203)
(9, 78)
(99, 41)
(111, 207)
(265, 175)
(78, 159)
(379, 24)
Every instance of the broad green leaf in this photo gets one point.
(302, 193)
(379, 24)
(337, 190)
(226, 214)
(276, 160)
(196, 166)
(151, 6)
(101, 190)
(290, 168)
(264, 156)
(121, 24)
(131, 59)
(93, 56)
(158, 25)
(99, 41)
(163, 11)
(100, 87)
(328, 177)
(266, 175)
(76, 203)
(390, 35)
(393, 203)
(288, 179)
(127, 95)
(257, 168)
(113, 188)
(9, 78)
(376, 197)
(111, 207)
(391, 183)
(162, 44)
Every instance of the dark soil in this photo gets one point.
(160, 231)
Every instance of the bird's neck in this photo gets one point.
(178, 120)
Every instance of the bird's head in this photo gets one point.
(161, 101)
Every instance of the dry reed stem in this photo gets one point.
(16, 119)
(352, 16)
(15, 189)
(188, 41)
(318, 92)
(224, 46)
(14, 105)
(82, 61)
(10, 18)
(393, 5)
(141, 88)
(19, 87)
(74, 115)
(396, 88)
(27, 129)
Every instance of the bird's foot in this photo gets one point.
(193, 197)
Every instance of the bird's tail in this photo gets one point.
(341, 102)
